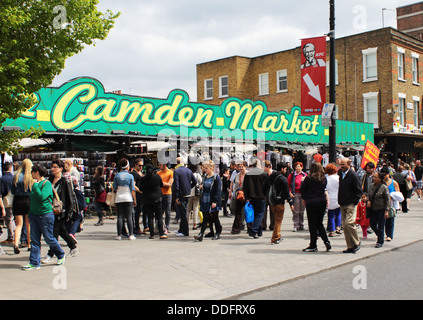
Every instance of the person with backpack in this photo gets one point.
(277, 190)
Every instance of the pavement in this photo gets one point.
(182, 268)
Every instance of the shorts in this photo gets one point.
(21, 205)
(419, 184)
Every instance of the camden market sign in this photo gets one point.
(82, 104)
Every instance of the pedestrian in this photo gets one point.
(66, 195)
(194, 199)
(277, 191)
(409, 175)
(236, 194)
(367, 178)
(184, 181)
(378, 205)
(2, 215)
(151, 185)
(392, 187)
(124, 186)
(100, 193)
(42, 219)
(269, 170)
(294, 181)
(21, 188)
(314, 194)
(349, 195)
(418, 172)
(167, 178)
(334, 210)
(400, 178)
(361, 218)
(137, 173)
(210, 201)
(226, 184)
(71, 173)
(253, 188)
(6, 184)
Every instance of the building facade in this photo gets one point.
(379, 78)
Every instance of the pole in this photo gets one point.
(332, 91)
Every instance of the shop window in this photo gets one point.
(208, 89)
(263, 84)
(369, 64)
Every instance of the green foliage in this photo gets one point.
(35, 41)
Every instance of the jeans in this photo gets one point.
(315, 214)
(377, 222)
(43, 225)
(183, 216)
(137, 212)
(124, 211)
(59, 229)
(334, 219)
(389, 227)
(166, 208)
(259, 207)
(154, 210)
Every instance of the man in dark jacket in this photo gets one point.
(6, 184)
(349, 195)
(183, 181)
(253, 187)
(278, 181)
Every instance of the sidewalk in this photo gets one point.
(181, 268)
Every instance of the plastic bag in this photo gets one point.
(249, 212)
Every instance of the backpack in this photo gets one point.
(272, 197)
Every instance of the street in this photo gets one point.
(392, 275)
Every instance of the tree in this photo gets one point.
(36, 37)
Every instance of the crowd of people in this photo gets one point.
(144, 197)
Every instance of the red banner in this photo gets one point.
(313, 75)
(371, 154)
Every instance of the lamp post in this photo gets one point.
(332, 91)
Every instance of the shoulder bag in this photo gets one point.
(8, 200)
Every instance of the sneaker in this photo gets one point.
(73, 252)
(30, 267)
(118, 238)
(310, 249)
(294, 229)
(132, 237)
(2, 251)
(60, 261)
(46, 260)
(163, 237)
(179, 234)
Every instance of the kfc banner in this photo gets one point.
(313, 75)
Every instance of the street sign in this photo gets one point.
(313, 75)
(327, 114)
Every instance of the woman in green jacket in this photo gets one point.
(42, 219)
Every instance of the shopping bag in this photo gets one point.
(249, 212)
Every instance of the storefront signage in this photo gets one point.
(82, 104)
(371, 154)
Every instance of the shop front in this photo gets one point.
(396, 147)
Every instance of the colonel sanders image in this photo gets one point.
(309, 52)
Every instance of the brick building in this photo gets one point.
(379, 79)
(410, 19)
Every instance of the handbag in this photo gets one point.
(240, 195)
(8, 200)
(249, 212)
(392, 212)
(408, 185)
(57, 203)
(111, 198)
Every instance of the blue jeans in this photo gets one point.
(181, 209)
(166, 207)
(389, 227)
(334, 219)
(259, 206)
(43, 225)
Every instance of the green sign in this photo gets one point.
(82, 104)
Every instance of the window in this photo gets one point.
(328, 72)
(371, 109)
(282, 80)
(369, 64)
(401, 56)
(415, 67)
(223, 87)
(416, 112)
(208, 89)
(401, 109)
(263, 83)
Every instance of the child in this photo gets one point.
(361, 215)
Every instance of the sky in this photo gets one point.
(155, 46)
